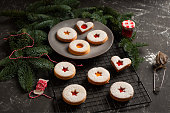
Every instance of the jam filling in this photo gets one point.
(121, 89)
(96, 35)
(119, 63)
(79, 45)
(84, 26)
(66, 33)
(98, 74)
(74, 92)
(65, 69)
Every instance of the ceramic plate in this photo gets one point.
(62, 47)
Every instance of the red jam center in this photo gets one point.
(65, 69)
(67, 33)
(122, 89)
(119, 63)
(96, 35)
(74, 93)
(98, 74)
(84, 26)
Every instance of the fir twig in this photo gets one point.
(41, 63)
(5, 61)
(8, 72)
(71, 3)
(25, 77)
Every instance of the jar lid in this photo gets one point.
(128, 24)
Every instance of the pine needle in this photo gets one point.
(8, 72)
(25, 77)
(41, 63)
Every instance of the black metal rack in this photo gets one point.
(98, 98)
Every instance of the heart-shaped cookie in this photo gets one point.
(84, 27)
(119, 63)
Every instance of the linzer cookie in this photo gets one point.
(79, 47)
(121, 91)
(127, 28)
(66, 34)
(98, 76)
(84, 27)
(64, 70)
(74, 94)
(119, 63)
(97, 37)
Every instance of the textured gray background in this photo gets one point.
(153, 26)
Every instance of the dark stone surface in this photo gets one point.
(153, 26)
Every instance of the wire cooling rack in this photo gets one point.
(98, 98)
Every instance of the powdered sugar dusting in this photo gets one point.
(150, 57)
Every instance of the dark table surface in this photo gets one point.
(153, 27)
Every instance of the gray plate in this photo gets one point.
(62, 47)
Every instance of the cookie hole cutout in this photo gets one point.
(121, 89)
(66, 33)
(74, 93)
(84, 26)
(119, 63)
(79, 45)
(98, 74)
(96, 35)
(65, 69)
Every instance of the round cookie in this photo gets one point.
(64, 70)
(66, 34)
(98, 76)
(79, 47)
(74, 94)
(97, 37)
(121, 91)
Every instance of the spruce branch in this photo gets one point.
(8, 72)
(25, 77)
(138, 44)
(109, 11)
(78, 12)
(5, 61)
(32, 7)
(44, 24)
(36, 51)
(18, 53)
(41, 63)
(132, 50)
(86, 14)
(38, 17)
(17, 42)
(53, 9)
(71, 3)
(40, 37)
(13, 13)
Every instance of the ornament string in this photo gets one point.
(29, 47)
(41, 85)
